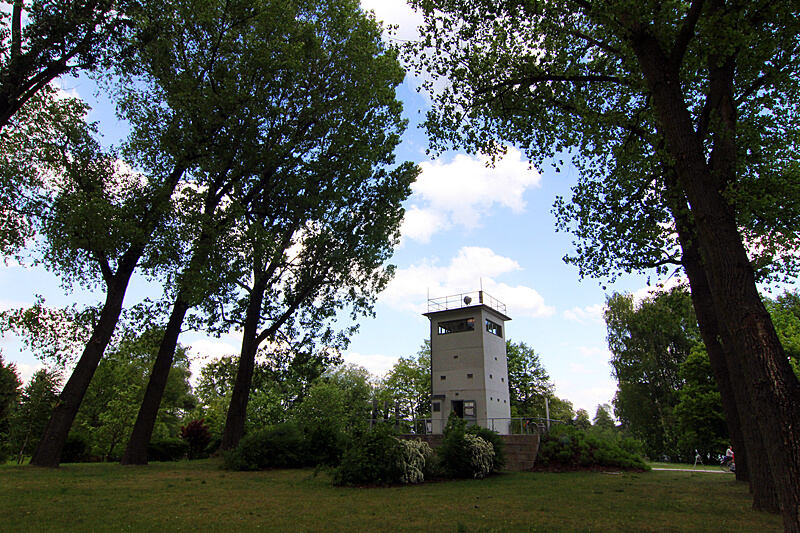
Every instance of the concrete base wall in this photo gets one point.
(521, 450)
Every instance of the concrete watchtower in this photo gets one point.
(469, 364)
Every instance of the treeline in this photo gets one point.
(325, 400)
(667, 397)
(257, 184)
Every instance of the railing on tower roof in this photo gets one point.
(465, 299)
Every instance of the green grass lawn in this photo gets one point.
(197, 496)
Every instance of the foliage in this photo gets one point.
(701, 421)
(408, 385)
(417, 460)
(582, 420)
(528, 381)
(569, 448)
(282, 446)
(36, 403)
(196, 435)
(497, 442)
(76, 449)
(167, 449)
(463, 454)
(375, 457)
(44, 39)
(338, 404)
(649, 340)
(785, 312)
(108, 410)
(9, 394)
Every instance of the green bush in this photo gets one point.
(497, 442)
(76, 449)
(570, 447)
(324, 444)
(282, 446)
(417, 460)
(463, 454)
(375, 457)
(167, 450)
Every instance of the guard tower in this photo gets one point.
(469, 365)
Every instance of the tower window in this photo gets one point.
(456, 326)
(442, 378)
(494, 329)
(469, 376)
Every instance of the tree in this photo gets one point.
(37, 401)
(408, 385)
(701, 420)
(45, 39)
(9, 393)
(662, 104)
(97, 225)
(327, 252)
(603, 420)
(528, 381)
(649, 341)
(109, 408)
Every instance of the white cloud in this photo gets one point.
(464, 190)
(396, 12)
(473, 266)
(597, 353)
(26, 371)
(592, 313)
(377, 364)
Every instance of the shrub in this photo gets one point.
(282, 446)
(375, 457)
(569, 447)
(167, 450)
(462, 454)
(497, 442)
(417, 460)
(76, 449)
(197, 437)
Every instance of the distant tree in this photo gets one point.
(785, 312)
(701, 420)
(10, 385)
(336, 406)
(649, 340)
(561, 409)
(528, 381)
(109, 408)
(408, 385)
(603, 420)
(582, 420)
(37, 401)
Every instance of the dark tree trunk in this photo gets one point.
(774, 391)
(237, 410)
(48, 451)
(751, 463)
(136, 451)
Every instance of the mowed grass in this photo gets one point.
(197, 496)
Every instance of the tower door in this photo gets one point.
(457, 406)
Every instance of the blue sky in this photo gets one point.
(467, 226)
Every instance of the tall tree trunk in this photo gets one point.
(755, 350)
(751, 463)
(136, 451)
(237, 410)
(48, 451)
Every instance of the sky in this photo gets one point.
(467, 227)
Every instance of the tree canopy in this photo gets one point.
(680, 118)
